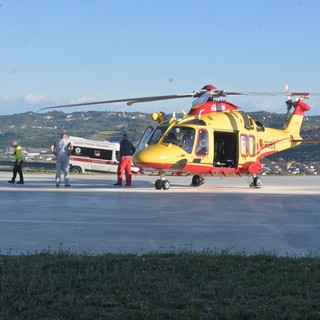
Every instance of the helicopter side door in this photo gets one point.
(202, 146)
(226, 147)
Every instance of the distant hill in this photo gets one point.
(39, 130)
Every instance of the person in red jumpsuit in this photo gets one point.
(127, 149)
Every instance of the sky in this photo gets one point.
(60, 52)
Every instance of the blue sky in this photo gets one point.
(64, 51)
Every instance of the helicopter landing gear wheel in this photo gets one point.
(158, 184)
(256, 182)
(197, 180)
(165, 185)
(162, 184)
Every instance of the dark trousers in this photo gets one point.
(17, 169)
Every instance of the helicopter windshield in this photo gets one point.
(157, 134)
(181, 136)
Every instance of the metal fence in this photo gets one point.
(30, 164)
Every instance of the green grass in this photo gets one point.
(186, 285)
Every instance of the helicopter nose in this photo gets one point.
(160, 157)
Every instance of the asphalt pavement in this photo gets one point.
(224, 214)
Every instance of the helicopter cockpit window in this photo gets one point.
(182, 137)
(145, 137)
(156, 134)
(202, 145)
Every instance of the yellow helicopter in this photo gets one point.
(213, 138)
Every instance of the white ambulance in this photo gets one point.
(94, 156)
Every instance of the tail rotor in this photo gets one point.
(289, 104)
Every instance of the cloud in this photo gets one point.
(30, 102)
(34, 102)
(33, 98)
(82, 100)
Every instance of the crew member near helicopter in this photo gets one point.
(62, 149)
(17, 168)
(127, 149)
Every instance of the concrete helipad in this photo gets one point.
(95, 217)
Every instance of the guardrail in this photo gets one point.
(31, 164)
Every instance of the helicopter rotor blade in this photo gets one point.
(129, 101)
(214, 93)
(159, 98)
(301, 94)
(287, 88)
(254, 93)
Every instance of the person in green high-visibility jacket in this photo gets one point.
(17, 168)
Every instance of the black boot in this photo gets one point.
(20, 182)
(11, 181)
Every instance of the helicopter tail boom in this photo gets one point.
(295, 122)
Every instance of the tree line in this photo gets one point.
(39, 130)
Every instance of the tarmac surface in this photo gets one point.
(95, 217)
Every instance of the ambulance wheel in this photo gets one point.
(75, 170)
(165, 185)
(158, 184)
(197, 180)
